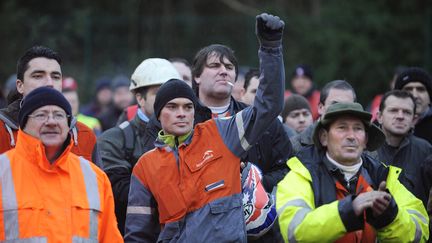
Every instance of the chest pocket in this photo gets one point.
(85, 219)
(207, 171)
(31, 215)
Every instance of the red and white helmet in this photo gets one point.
(258, 206)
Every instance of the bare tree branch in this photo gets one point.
(241, 7)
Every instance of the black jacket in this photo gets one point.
(269, 154)
(410, 156)
(423, 128)
(119, 160)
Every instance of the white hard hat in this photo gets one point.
(153, 71)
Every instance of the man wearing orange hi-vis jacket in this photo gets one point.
(49, 194)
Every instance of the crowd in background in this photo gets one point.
(165, 135)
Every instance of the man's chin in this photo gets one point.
(52, 141)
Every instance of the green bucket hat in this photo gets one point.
(375, 136)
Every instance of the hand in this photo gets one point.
(378, 201)
(269, 30)
(381, 205)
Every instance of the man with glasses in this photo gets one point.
(48, 193)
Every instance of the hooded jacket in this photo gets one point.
(306, 201)
(69, 200)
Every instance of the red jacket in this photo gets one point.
(314, 99)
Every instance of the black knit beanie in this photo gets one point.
(173, 88)
(414, 74)
(41, 97)
(294, 102)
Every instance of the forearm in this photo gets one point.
(268, 102)
(299, 220)
(142, 224)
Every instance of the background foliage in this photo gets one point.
(360, 41)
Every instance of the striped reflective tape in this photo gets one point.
(92, 189)
(298, 217)
(139, 210)
(10, 213)
(241, 132)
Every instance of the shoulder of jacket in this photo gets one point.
(124, 125)
(418, 141)
(82, 128)
(98, 171)
(114, 132)
(7, 121)
(298, 167)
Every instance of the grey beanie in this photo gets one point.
(294, 102)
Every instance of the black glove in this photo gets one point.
(269, 30)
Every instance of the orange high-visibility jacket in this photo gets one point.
(69, 200)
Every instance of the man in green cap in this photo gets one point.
(334, 192)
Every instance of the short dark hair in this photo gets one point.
(336, 84)
(251, 73)
(142, 91)
(402, 94)
(200, 60)
(180, 60)
(32, 53)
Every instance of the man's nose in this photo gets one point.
(350, 133)
(49, 82)
(50, 120)
(181, 112)
(400, 114)
(414, 92)
(223, 69)
(302, 118)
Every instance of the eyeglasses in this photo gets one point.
(43, 117)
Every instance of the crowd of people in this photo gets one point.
(197, 152)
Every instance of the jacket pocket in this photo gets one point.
(206, 174)
(31, 217)
(226, 217)
(207, 158)
(86, 223)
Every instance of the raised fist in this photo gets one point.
(269, 30)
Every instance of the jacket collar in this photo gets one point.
(33, 149)
(10, 114)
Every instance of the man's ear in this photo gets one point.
(323, 137)
(415, 120)
(379, 117)
(321, 109)
(197, 80)
(140, 99)
(242, 91)
(20, 86)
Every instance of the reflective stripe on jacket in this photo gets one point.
(301, 220)
(67, 201)
(192, 193)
